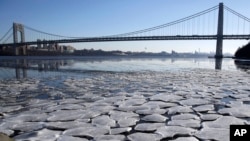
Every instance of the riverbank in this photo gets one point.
(196, 104)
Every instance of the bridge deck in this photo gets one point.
(139, 38)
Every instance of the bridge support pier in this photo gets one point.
(15, 50)
(219, 44)
(20, 50)
(218, 63)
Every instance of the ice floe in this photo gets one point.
(239, 111)
(127, 106)
(171, 131)
(218, 134)
(185, 123)
(148, 126)
(143, 137)
(155, 118)
(224, 122)
(86, 131)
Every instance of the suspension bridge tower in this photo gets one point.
(18, 28)
(219, 44)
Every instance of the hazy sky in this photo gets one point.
(85, 18)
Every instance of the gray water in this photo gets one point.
(44, 67)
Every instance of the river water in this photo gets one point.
(121, 98)
(43, 67)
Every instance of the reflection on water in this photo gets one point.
(243, 65)
(11, 67)
(218, 63)
(22, 65)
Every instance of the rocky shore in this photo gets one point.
(190, 105)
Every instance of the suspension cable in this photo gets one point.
(49, 33)
(167, 24)
(6, 34)
(138, 31)
(237, 14)
(8, 38)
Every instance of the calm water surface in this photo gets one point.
(43, 67)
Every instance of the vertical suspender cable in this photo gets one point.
(198, 25)
(208, 26)
(193, 21)
(238, 25)
(203, 24)
(243, 26)
(214, 21)
(248, 28)
(227, 21)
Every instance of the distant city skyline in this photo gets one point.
(85, 18)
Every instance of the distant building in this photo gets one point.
(54, 47)
(68, 49)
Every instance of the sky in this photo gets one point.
(86, 18)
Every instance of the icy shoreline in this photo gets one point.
(197, 104)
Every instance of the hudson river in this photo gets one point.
(121, 98)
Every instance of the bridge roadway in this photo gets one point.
(134, 38)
